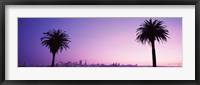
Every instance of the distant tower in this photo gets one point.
(85, 63)
(80, 62)
(24, 64)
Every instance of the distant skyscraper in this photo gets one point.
(80, 62)
(85, 63)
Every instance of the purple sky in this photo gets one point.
(97, 40)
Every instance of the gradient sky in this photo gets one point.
(97, 40)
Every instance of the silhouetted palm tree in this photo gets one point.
(55, 40)
(151, 31)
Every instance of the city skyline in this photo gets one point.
(80, 63)
(97, 40)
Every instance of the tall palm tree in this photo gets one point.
(55, 40)
(151, 31)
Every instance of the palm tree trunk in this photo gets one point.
(153, 53)
(52, 64)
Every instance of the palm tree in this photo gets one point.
(151, 31)
(55, 40)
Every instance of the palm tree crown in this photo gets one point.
(152, 30)
(55, 40)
